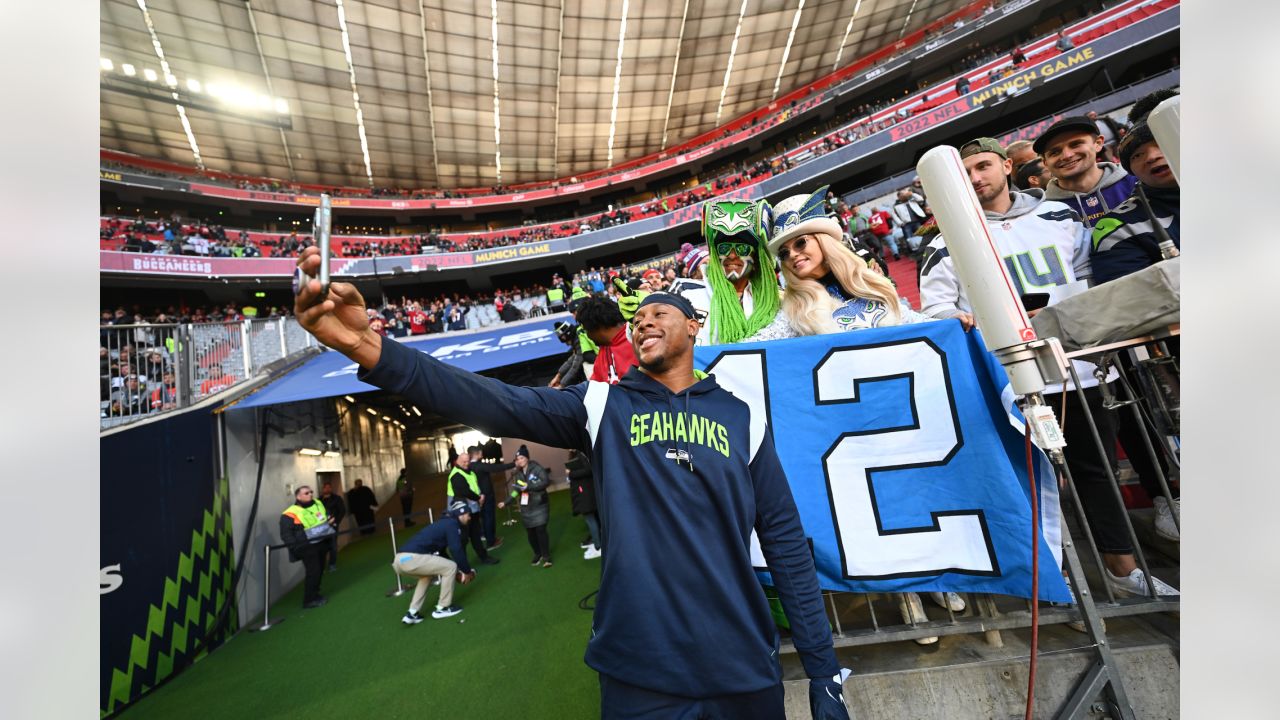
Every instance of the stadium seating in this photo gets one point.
(938, 94)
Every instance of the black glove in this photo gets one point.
(826, 698)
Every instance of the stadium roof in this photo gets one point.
(407, 93)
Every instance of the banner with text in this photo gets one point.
(333, 375)
(906, 458)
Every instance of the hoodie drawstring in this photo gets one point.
(684, 455)
(688, 428)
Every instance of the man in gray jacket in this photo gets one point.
(1069, 149)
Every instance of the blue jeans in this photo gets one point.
(890, 241)
(909, 234)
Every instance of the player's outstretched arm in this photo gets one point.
(544, 415)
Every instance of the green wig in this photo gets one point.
(745, 221)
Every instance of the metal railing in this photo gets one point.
(1146, 394)
(147, 369)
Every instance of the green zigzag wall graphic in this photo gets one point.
(193, 610)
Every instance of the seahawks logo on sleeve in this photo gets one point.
(1058, 215)
(934, 257)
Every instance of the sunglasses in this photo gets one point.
(741, 249)
(798, 246)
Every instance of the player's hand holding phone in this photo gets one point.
(337, 319)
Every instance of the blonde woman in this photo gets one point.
(830, 288)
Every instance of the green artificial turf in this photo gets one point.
(517, 655)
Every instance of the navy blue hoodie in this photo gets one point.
(680, 610)
(443, 534)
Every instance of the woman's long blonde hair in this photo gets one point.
(807, 303)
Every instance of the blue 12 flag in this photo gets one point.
(906, 457)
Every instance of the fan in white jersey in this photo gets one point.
(1045, 247)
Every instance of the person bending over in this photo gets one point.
(420, 557)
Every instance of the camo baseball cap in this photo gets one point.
(981, 145)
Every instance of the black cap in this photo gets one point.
(1076, 122)
(1138, 136)
(678, 302)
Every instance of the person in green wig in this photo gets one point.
(741, 298)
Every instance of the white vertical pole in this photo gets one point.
(244, 349)
(266, 592)
(391, 523)
(1165, 122)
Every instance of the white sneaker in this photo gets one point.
(1165, 525)
(913, 611)
(1135, 584)
(592, 553)
(951, 599)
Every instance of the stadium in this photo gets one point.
(775, 358)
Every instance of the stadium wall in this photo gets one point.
(166, 554)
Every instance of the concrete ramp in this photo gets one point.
(962, 677)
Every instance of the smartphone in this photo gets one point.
(1034, 301)
(321, 233)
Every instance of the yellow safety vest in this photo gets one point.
(472, 481)
(555, 296)
(585, 342)
(311, 517)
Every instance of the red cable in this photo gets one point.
(1035, 575)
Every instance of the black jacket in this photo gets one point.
(483, 479)
(292, 534)
(360, 501)
(334, 506)
(581, 485)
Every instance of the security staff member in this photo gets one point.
(305, 527)
(579, 294)
(463, 484)
(555, 296)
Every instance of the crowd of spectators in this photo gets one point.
(200, 237)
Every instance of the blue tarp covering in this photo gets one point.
(332, 374)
